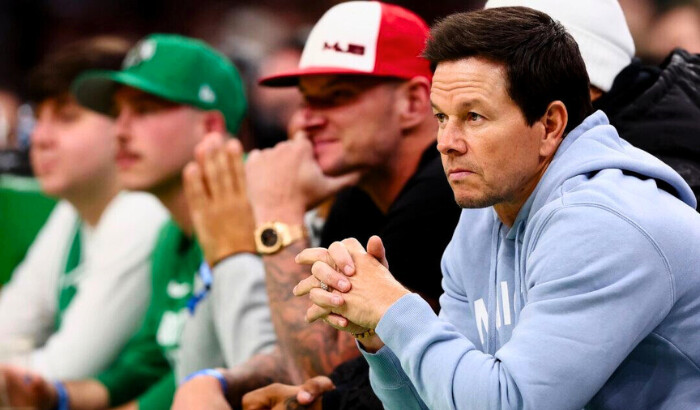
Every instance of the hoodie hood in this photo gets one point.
(595, 146)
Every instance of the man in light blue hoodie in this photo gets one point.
(573, 277)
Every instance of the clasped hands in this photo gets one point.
(360, 286)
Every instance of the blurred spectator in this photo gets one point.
(272, 108)
(678, 26)
(639, 15)
(9, 102)
(83, 287)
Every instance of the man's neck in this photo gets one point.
(384, 185)
(90, 205)
(172, 196)
(507, 211)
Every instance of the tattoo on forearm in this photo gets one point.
(308, 349)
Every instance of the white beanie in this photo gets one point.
(599, 28)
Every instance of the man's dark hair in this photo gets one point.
(53, 77)
(542, 61)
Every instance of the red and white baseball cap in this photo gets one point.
(362, 38)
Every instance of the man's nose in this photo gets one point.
(451, 140)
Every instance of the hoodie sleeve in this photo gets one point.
(593, 292)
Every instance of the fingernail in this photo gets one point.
(304, 395)
(348, 270)
(294, 291)
(343, 284)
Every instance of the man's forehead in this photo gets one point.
(131, 95)
(473, 75)
(316, 83)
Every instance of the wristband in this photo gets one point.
(62, 396)
(207, 372)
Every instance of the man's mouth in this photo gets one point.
(320, 144)
(126, 158)
(456, 174)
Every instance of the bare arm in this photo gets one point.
(87, 395)
(308, 349)
(26, 389)
(204, 392)
(283, 182)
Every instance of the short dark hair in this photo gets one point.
(52, 78)
(542, 61)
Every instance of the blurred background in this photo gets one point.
(261, 37)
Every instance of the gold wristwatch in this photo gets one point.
(271, 237)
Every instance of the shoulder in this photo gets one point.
(136, 207)
(61, 222)
(138, 215)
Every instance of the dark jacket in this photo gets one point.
(658, 110)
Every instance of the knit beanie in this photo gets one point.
(599, 28)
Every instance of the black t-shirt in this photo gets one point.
(415, 232)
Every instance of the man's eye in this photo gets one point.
(342, 95)
(68, 115)
(145, 108)
(440, 117)
(472, 116)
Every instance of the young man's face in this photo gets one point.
(72, 148)
(490, 154)
(156, 139)
(352, 121)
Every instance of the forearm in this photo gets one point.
(87, 395)
(258, 371)
(308, 349)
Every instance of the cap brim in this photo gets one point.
(95, 89)
(291, 78)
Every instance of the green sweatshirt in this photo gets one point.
(144, 369)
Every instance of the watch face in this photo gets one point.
(269, 237)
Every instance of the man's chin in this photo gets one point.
(474, 203)
(131, 183)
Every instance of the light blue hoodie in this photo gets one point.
(591, 299)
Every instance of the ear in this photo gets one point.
(554, 121)
(214, 121)
(414, 102)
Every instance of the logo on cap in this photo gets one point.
(143, 51)
(206, 94)
(351, 49)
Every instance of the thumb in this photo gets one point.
(300, 135)
(375, 247)
(313, 388)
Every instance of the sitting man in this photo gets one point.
(572, 278)
(84, 286)
(171, 93)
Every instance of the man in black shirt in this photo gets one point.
(366, 116)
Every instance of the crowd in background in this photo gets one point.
(29, 29)
(325, 151)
